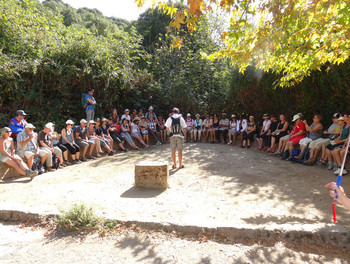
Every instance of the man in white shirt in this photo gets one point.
(175, 126)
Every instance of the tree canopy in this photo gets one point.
(289, 37)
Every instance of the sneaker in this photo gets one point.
(336, 172)
(248, 146)
(158, 143)
(84, 159)
(335, 167)
(330, 165)
(110, 153)
(229, 143)
(31, 174)
(345, 171)
(277, 153)
(98, 156)
(147, 147)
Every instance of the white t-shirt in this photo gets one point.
(134, 128)
(266, 124)
(124, 116)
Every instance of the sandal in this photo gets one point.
(174, 167)
(182, 166)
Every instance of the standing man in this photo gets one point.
(17, 124)
(175, 126)
(90, 104)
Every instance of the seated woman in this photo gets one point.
(315, 132)
(91, 135)
(103, 142)
(248, 133)
(197, 130)
(161, 129)
(67, 139)
(125, 132)
(152, 129)
(56, 143)
(106, 131)
(8, 155)
(321, 143)
(263, 133)
(207, 126)
(143, 125)
(215, 128)
(114, 117)
(280, 132)
(297, 134)
(335, 147)
(233, 131)
(135, 132)
(273, 128)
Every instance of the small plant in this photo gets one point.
(77, 218)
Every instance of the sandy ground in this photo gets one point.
(27, 245)
(219, 186)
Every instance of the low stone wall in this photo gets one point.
(152, 175)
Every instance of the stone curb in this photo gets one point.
(331, 234)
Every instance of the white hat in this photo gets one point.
(150, 108)
(49, 126)
(233, 116)
(69, 122)
(295, 117)
(198, 115)
(341, 118)
(92, 122)
(29, 125)
(83, 121)
(126, 110)
(188, 114)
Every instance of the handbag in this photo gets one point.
(333, 136)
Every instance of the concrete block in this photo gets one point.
(152, 174)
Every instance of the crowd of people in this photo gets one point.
(31, 153)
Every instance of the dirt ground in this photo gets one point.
(20, 244)
(219, 186)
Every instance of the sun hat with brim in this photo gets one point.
(6, 129)
(126, 110)
(233, 115)
(266, 116)
(188, 114)
(20, 112)
(224, 114)
(150, 108)
(83, 121)
(69, 122)
(295, 118)
(341, 118)
(49, 126)
(136, 119)
(29, 125)
(97, 120)
(104, 120)
(142, 117)
(198, 115)
(92, 122)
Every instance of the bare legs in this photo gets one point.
(173, 156)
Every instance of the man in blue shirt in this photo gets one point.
(90, 105)
(17, 124)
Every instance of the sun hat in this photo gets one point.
(136, 119)
(296, 117)
(341, 118)
(266, 116)
(198, 115)
(150, 108)
(104, 119)
(69, 122)
(92, 122)
(20, 112)
(188, 114)
(83, 121)
(233, 115)
(49, 126)
(142, 117)
(29, 125)
(126, 110)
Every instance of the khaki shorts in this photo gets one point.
(176, 143)
(318, 143)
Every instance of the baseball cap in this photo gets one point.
(341, 118)
(83, 121)
(150, 108)
(20, 112)
(337, 115)
(49, 126)
(233, 116)
(92, 122)
(188, 114)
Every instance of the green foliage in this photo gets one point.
(77, 218)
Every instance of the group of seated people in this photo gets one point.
(20, 145)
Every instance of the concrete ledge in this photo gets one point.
(329, 234)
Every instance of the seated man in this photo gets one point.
(27, 146)
(149, 114)
(82, 141)
(223, 128)
(262, 136)
(17, 124)
(113, 131)
(273, 127)
(46, 144)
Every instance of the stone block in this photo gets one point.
(152, 175)
(7, 172)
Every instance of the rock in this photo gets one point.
(152, 175)
(7, 172)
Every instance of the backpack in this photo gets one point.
(175, 126)
(75, 128)
(56, 161)
(304, 156)
(83, 101)
(295, 153)
(36, 163)
(285, 155)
